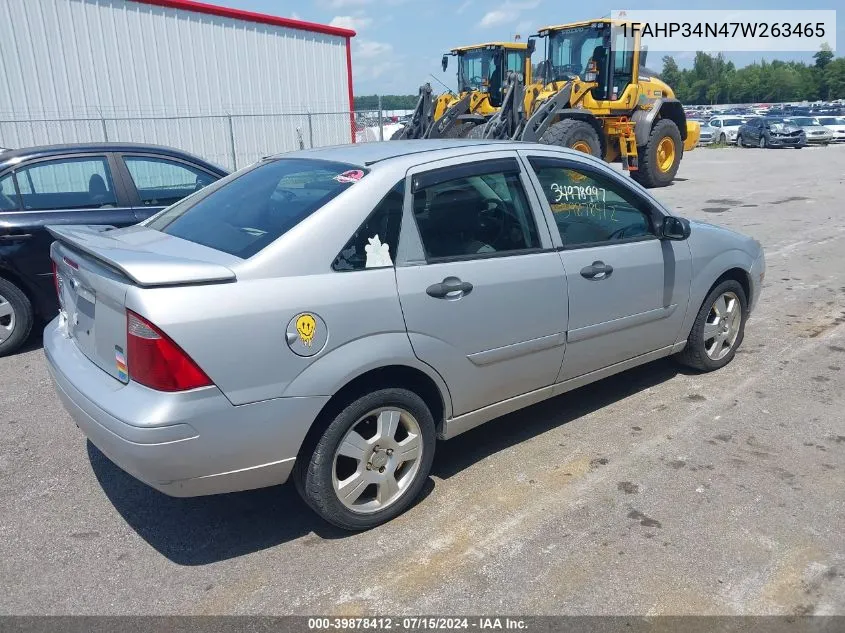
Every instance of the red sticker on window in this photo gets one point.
(353, 175)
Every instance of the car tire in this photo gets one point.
(16, 317)
(705, 354)
(384, 485)
(762, 142)
(739, 142)
(723, 139)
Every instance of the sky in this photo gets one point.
(400, 42)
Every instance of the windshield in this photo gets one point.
(246, 213)
(775, 120)
(478, 68)
(570, 51)
(803, 120)
(832, 120)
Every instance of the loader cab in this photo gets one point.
(593, 52)
(484, 68)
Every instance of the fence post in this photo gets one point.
(103, 124)
(380, 121)
(232, 143)
(310, 132)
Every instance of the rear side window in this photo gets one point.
(246, 214)
(68, 183)
(374, 243)
(161, 182)
(8, 195)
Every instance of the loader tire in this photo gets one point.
(575, 134)
(660, 158)
(459, 130)
(395, 136)
(476, 133)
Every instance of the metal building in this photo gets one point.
(228, 85)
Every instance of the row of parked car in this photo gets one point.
(772, 130)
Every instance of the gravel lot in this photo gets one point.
(657, 491)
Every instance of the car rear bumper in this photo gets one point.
(183, 444)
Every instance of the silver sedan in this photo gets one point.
(329, 315)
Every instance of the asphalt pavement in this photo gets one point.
(657, 491)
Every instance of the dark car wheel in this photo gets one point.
(16, 317)
(718, 329)
(371, 462)
(739, 142)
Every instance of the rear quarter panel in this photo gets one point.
(236, 332)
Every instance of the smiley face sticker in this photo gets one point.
(306, 334)
(305, 327)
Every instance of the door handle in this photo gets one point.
(597, 270)
(15, 237)
(449, 288)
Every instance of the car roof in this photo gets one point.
(366, 154)
(45, 151)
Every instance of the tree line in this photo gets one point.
(712, 80)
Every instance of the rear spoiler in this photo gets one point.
(143, 267)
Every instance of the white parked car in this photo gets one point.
(726, 128)
(835, 124)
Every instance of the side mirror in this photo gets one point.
(643, 55)
(675, 228)
(532, 45)
(445, 62)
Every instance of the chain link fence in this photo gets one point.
(229, 140)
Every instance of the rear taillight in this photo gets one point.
(57, 281)
(157, 362)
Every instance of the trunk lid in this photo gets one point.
(95, 267)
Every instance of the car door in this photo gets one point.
(155, 182)
(628, 290)
(77, 188)
(482, 290)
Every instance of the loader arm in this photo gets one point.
(423, 116)
(508, 120)
(441, 126)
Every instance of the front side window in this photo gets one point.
(475, 215)
(244, 215)
(70, 183)
(161, 182)
(516, 62)
(8, 195)
(375, 242)
(478, 68)
(570, 51)
(589, 208)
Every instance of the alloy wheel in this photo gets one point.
(7, 319)
(722, 326)
(377, 460)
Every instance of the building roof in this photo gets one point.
(250, 16)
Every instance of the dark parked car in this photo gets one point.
(770, 132)
(116, 184)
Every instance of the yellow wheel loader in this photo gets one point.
(595, 95)
(483, 70)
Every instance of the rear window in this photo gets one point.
(244, 215)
